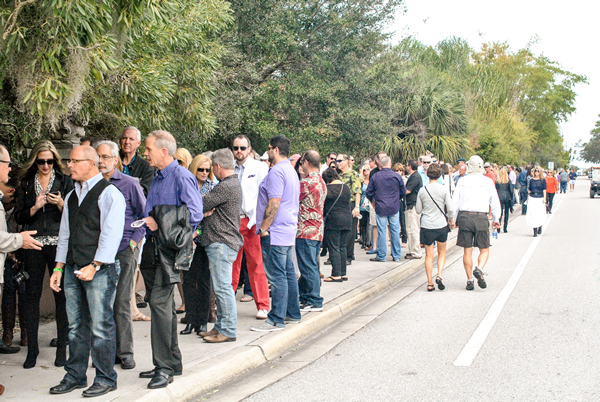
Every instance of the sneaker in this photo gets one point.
(266, 327)
(310, 307)
(289, 320)
(261, 315)
(470, 285)
(477, 273)
(373, 251)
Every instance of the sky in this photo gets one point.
(568, 33)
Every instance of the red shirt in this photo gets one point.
(551, 185)
(491, 175)
(310, 213)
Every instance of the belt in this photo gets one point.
(242, 216)
(474, 213)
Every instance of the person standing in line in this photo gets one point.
(133, 163)
(536, 203)
(172, 186)
(10, 242)
(462, 172)
(250, 174)
(310, 232)
(375, 165)
(505, 190)
(222, 241)
(432, 200)
(135, 202)
(331, 157)
(551, 189)
(196, 281)
(564, 180)
(413, 185)
(473, 197)
(572, 180)
(40, 202)
(91, 229)
(385, 190)
(399, 169)
(365, 238)
(352, 180)
(277, 222)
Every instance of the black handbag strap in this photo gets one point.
(436, 204)
(335, 202)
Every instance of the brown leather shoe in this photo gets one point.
(212, 332)
(218, 338)
(1, 389)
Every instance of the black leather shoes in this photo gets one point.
(98, 389)
(8, 350)
(66, 386)
(127, 363)
(189, 329)
(152, 373)
(160, 380)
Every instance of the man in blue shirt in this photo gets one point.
(522, 179)
(135, 202)
(173, 185)
(385, 190)
(91, 228)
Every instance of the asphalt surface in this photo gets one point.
(543, 346)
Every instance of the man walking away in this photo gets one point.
(91, 229)
(277, 220)
(385, 190)
(473, 197)
(310, 232)
(564, 180)
(413, 226)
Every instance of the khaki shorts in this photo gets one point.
(473, 231)
(372, 216)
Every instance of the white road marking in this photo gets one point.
(471, 349)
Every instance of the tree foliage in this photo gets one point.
(591, 149)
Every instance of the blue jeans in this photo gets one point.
(220, 262)
(309, 284)
(92, 324)
(394, 222)
(563, 186)
(284, 291)
(265, 246)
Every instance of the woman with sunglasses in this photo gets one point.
(196, 281)
(536, 202)
(40, 201)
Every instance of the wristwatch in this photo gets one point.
(97, 267)
(261, 231)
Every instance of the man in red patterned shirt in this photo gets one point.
(310, 232)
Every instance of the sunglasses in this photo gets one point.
(340, 160)
(203, 170)
(240, 148)
(426, 162)
(179, 161)
(42, 162)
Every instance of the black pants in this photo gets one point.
(350, 240)
(403, 232)
(166, 355)
(506, 206)
(336, 243)
(35, 263)
(363, 228)
(196, 288)
(549, 201)
(9, 301)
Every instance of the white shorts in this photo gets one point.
(572, 182)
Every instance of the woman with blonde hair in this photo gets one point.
(40, 202)
(196, 281)
(505, 190)
(536, 208)
(183, 157)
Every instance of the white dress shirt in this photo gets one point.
(252, 173)
(112, 221)
(477, 193)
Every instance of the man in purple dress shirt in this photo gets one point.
(173, 185)
(277, 220)
(135, 203)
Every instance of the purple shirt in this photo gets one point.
(134, 206)
(175, 185)
(386, 188)
(281, 182)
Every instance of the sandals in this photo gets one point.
(430, 288)
(438, 280)
(246, 298)
(332, 279)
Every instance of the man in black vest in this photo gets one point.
(90, 233)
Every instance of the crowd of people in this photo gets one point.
(109, 221)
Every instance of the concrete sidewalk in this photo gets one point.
(208, 365)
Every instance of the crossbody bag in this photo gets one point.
(332, 205)
(441, 210)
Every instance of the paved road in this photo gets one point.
(543, 346)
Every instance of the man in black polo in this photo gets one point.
(133, 163)
(413, 185)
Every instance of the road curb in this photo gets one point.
(210, 374)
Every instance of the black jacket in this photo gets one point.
(505, 191)
(141, 170)
(172, 244)
(47, 220)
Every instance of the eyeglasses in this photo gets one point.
(340, 160)
(203, 170)
(42, 162)
(179, 161)
(106, 157)
(74, 161)
(240, 148)
(9, 163)
(424, 162)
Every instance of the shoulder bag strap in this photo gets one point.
(436, 204)
(335, 202)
